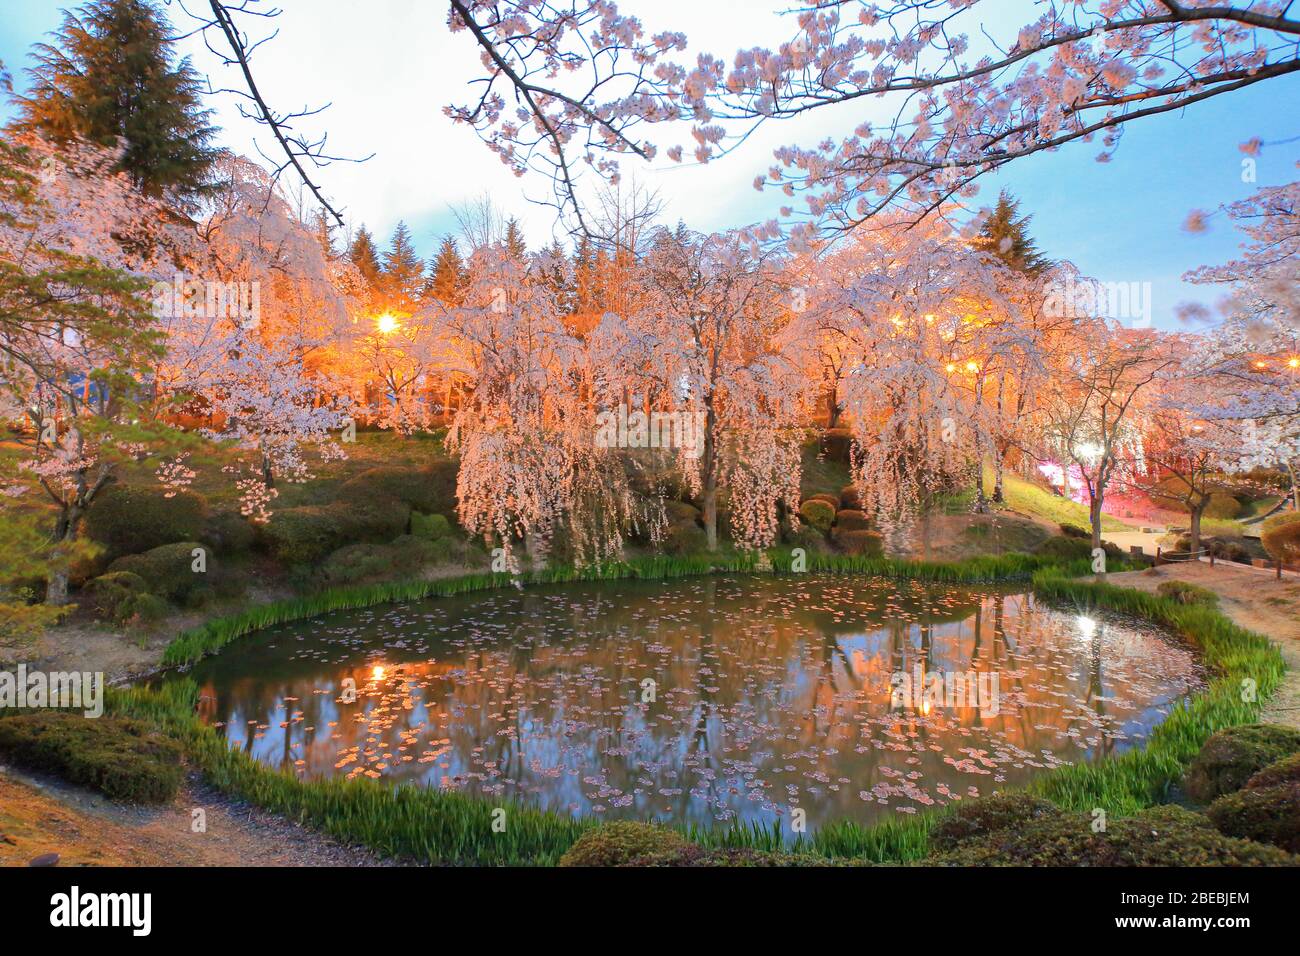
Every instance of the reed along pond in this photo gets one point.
(708, 700)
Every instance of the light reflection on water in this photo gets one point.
(768, 693)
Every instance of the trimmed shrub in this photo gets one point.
(1286, 770)
(130, 519)
(679, 512)
(306, 535)
(228, 532)
(1280, 536)
(1268, 815)
(1235, 754)
(684, 538)
(1158, 836)
(849, 519)
(1066, 548)
(1185, 592)
(1222, 506)
(168, 570)
(618, 843)
(122, 758)
(431, 527)
(1074, 531)
(836, 444)
(430, 489)
(850, 498)
(110, 593)
(355, 563)
(817, 514)
(868, 544)
(975, 819)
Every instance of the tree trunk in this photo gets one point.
(999, 466)
(1094, 519)
(56, 588)
(832, 409)
(1197, 510)
(709, 481)
(1295, 485)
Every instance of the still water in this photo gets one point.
(705, 700)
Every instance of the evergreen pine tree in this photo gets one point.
(111, 73)
(365, 256)
(403, 272)
(516, 248)
(448, 274)
(1006, 235)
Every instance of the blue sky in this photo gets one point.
(389, 66)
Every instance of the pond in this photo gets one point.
(796, 700)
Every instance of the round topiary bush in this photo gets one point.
(432, 527)
(684, 537)
(615, 844)
(1233, 755)
(169, 570)
(851, 498)
(228, 532)
(837, 444)
(1280, 536)
(1222, 506)
(117, 596)
(1286, 770)
(975, 819)
(848, 519)
(1267, 815)
(1159, 836)
(680, 512)
(818, 514)
(868, 544)
(130, 519)
(306, 535)
(430, 489)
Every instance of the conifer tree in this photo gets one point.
(1006, 235)
(403, 271)
(111, 73)
(448, 276)
(365, 256)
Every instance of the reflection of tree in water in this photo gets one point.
(771, 686)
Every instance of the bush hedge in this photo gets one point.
(977, 819)
(431, 527)
(130, 519)
(168, 570)
(851, 519)
(1266, 814)
(1235, 754)
(818, 514)
(430, 489)
(621, 842)
(1160, 836)
(306, 535)
(868, 544)
(122, 758)
(1280, 536)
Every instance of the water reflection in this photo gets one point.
(704, 700)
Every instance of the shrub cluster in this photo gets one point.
(1280, 536)
(128, 519)
(124, 759)
(1232, 756)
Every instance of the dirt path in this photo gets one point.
(1253, 600)
(40, 815)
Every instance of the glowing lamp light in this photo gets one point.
(1293, 362)
(952, 367)
(377, 672)
(1087, 626)
(1261, 364)
(386, 324)
(972, 366)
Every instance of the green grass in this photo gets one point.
(1034, 500)
(437, 827)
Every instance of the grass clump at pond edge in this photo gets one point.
(454, 828)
